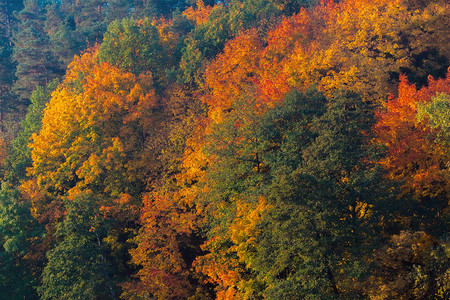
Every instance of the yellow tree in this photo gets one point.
(94, 136)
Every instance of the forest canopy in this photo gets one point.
(239, 149)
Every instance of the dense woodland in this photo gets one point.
(236, 149)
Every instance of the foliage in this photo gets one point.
(76, 267)
(19, 233)
(437, 114)
(90, 109)
(132, 46)
(417, 150)
(318, 188)
(166, 228)
(333, 47)
(20, 155)
(412, 264)
(223, 23)
(239, 149)
(36, 65)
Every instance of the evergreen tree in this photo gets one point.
(89, 16)
(36, 65)
(60, 30)
(158, 7)
(119, 9)
(7, 67)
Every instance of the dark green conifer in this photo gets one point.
(36, 65)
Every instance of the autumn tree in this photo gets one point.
(220, 24)
(167, 244)
(109, 146)
(330, 47)
(411, 264)
(211, 149)
(417, 146)
(90, 101)
(169, 237)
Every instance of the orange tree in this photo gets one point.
(417, 145)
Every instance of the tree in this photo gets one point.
(19, 157)
(377, 52)
(60, 29)
(436, 113)
(417, 153)
(119, 9)
(200, 14)
(19, 233)
(293, 6)
(7, 9)
(36, 65)
(105, 121)
(411, 264)
(7, 24)
(77, 268)
(89, 17)
(233, 73)
(156, 8)
(169, 237)
(165, 249)
(328, 46)
(134, 46)
(293, 199)
(223, 23)
(111, 124)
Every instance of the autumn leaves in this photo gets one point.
(278, 172)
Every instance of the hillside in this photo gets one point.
(239, 149)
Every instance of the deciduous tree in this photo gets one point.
(417, 149)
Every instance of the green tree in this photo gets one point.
(60, 29)
(119, 9)
(7, 67)
(19, 157)
(19, 232)
(158, 8)
(77, 267)
(311, 161)
(133, 46)
(90, 20)
(36, 65)
(437, 113)
(326, 212)
(293, 6)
